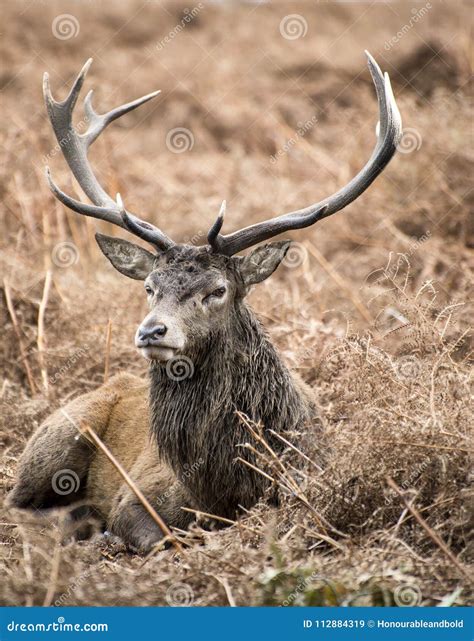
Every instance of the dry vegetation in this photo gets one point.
(371, 307)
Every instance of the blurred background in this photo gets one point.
(270, 106)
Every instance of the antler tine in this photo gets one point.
(99, 122)
(110, 215)
(140, 228)
(75, 147)
(217, 226)
(388, 138)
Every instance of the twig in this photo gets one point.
(41, 340)
(221, 518)
(404, 516)
(27, 566)
(226, 587)
(264, 474)
(289, 480)
(300, 497)
(289, 483)
(286, 536)
(16, 329)
(431, 533)
(108, 341)
(53, 578)
(86, 429)
(294, 448)
(322, 537)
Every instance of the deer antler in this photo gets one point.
(75, 147)
(389, 135)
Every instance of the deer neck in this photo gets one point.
(193, 411)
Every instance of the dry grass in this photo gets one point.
(371, 308)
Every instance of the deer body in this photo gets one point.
(177, 438)
(179, 435)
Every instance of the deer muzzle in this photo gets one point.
(158, 339)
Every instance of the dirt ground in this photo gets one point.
(275, 109)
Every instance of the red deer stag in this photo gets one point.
(198, 320)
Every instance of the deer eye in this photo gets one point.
(217, 293)
(148, 290)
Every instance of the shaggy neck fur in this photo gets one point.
(194, 420)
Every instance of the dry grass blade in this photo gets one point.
(228, 591)
(16, 329)
(108, 342)
(88, 431)
(299, 496)
(41, 341)
(431, 533)
(287, 482)
(53, 579)
(295, 449)
(222, 519)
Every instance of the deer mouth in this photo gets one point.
(157, 352)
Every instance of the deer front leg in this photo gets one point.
(131, 521)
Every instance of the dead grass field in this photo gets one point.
(371, 307)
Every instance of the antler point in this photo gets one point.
(223, 209)
(46, 88)
(119, 201)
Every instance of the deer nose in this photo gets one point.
(150, 335)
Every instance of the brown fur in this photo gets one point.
(178, 437)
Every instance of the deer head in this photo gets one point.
(193, 290)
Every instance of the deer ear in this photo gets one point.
(262, 261)
(129, 259)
